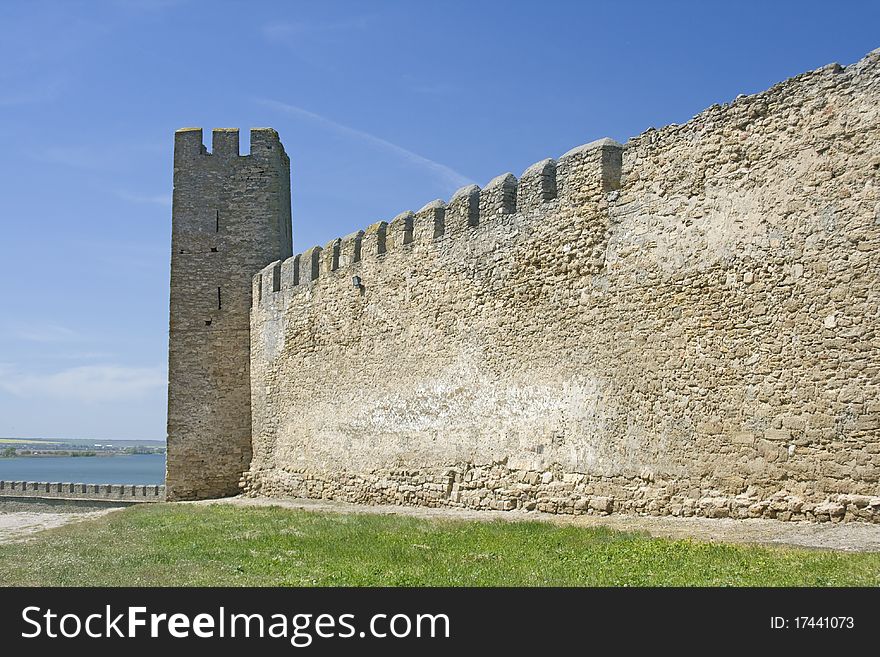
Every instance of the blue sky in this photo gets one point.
(382, 106)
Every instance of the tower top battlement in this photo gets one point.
(264, 142)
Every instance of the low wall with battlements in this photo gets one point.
(683, 325)
(79, 491)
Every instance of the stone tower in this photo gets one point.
(230, 218)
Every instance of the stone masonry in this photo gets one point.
(79, 491)
(685, 325)
(230, 216)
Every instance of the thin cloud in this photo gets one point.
(284, 31)
(77, 157)
(155, 199)
(307, 40)
(86, 383)
(448, 175)
(43, 333)
(110, 155)
(45, 93)
(148, 5)
(40, 52)
(78, 355)
(438, 89)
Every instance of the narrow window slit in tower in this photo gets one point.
(219, 301)
(217, 224)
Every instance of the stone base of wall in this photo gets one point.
(498, 487)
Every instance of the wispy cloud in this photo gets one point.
(94, 245)
(40, 52)
(290, 31)
(436, 89)
(42, 47)
(446, 174)
(308, 40)
(86, 383)
(148, 5)
(78, 355)
(45, 92)
(44, 333)
(113, 154)
(156, 199)
(76, 157)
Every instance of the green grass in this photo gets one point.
(165, 544)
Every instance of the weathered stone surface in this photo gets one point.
(79, 491)
(230, 217)
(639, 329)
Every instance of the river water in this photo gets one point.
(123, 469)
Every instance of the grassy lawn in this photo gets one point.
(165, 544)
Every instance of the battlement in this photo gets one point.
(581, 175)
(189, 144)
(78, 491)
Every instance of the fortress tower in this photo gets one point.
(230, 217)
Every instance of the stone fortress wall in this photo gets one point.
(131, 493)
(686, 324)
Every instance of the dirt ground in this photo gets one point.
(849, 537)
(18, 522)
(17, 525)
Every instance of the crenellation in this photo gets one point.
(462, 210)
(310, 265)
(537, 185)
(498, 197)
(224, 142)
(474, 206)
(374, 240)
(257, 289)
(276, 276)
(266, 281)
(330, 257)
(598, 161)
(188, 144)
(67, 491)
(265, 143)
(400, 231)
(470, 204)
(290, 270)
(350, 249)
(429, 223)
